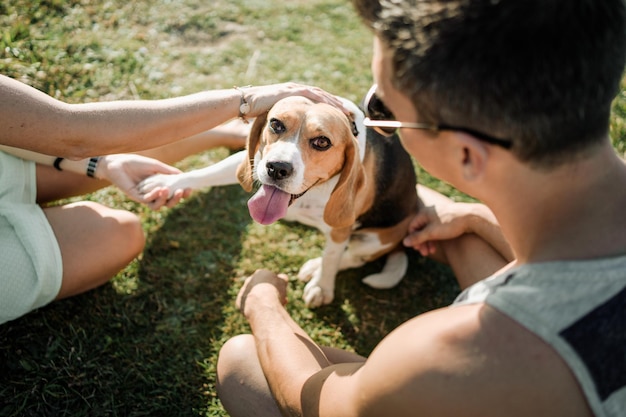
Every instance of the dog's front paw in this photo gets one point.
(310, 269)
(159, 181)
(316, 296)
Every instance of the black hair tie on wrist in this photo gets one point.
(57, 163)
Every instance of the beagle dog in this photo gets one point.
(318, 167)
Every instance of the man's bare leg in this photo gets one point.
(241, 384)
(471, 258)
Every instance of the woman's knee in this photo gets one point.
(87, 223)
(130, 232)
(95, 241)
(122, 229)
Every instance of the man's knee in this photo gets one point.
(234, 355)
(241, 385)
(472, 259)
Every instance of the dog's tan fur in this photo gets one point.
(312, 120)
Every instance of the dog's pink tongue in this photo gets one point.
(268, 204)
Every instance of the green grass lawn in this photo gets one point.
(146, 344)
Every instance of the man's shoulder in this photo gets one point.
(469, 360)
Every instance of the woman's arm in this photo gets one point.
(30, 119)
(125, 171)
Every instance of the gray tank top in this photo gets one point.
(579, 308)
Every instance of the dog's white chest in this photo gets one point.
(309, 209)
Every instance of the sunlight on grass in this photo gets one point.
(126, 282)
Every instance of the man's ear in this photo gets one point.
(473, 156)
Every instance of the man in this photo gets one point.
(521, 94)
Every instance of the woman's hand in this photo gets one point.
(262, 98)
(126, 171)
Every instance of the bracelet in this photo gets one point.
(244, 106)
(57, 163)
(92, 165)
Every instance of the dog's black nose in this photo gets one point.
(279, 170)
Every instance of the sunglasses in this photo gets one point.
(382, 120)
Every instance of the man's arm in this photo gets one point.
(287, 354)
(452, 362)
(398, 379)
(461, 361)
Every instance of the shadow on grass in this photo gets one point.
(365, 315)
(107, 354)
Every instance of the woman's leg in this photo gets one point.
(231, 135)
(54, 185)
(95, 241)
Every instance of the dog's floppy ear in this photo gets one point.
(340, 210)
(244, 170)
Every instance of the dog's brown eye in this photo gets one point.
(277, 126)
(321, 143)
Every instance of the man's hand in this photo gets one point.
(437, 223)
(262, 285)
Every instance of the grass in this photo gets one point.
(146, 344)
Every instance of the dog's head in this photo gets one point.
(297, 145)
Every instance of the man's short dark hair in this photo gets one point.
(542, 73)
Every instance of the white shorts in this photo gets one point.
(31, 267)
